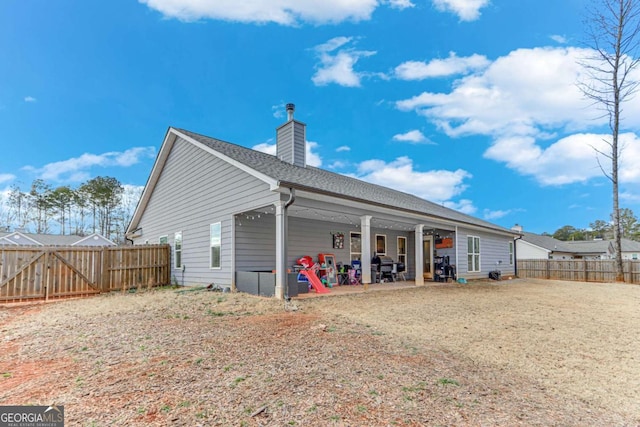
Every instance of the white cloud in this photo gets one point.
(312, 158)
(77, 169)
(493, 215)
(284, 12)
(6, 177)
(266, 148)
(338, 164)
(523, 93)
(529, 103)
(630, 197)
(413, 136)
(401, 4)
(343, 148)
(569, 160)
(559, 39)
(463, 205)
(338, 66)
(453, 65)
(467, 10)
(29, 99)
(437, 186)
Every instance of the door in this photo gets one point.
(427, 250)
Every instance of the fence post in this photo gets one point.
(626, 268)
(47, 282)
(586, 271)
(104, 270)
(548, 275)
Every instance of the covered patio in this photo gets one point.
(371, 287)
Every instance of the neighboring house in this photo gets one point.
(535, 246)
(226, 209)
(19, 238)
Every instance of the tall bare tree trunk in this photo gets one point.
(613, 30)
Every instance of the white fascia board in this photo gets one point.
(20, 235)
(97, 236)
(161, 159)
(415, 217)
(5, 241)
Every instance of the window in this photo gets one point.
(634, 256)
(510, 253)
(355, 246)
(381, 244)
(177, 250)
(473, 254)
(215, 242)
(163, 240)
(402, 250)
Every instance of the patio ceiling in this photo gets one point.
(378, 221)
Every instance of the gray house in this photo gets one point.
(227, 209)
(536, 246)
(21, 238)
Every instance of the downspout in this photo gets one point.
(515, 255)
(285, 244)
(131, 240)
(456, 247)
(292, 198)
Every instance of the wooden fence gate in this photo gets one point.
(28, 273)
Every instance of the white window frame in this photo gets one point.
(215, 241)
(355, 255)
(165, 238)
(402, 257)
(384, 238)
(473, 257)
(177, 252)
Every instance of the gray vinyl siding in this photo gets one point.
(255, 242)
(493, 248)
(195, 190)
(291, 143)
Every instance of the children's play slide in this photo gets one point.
(315, 281)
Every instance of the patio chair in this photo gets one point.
(353, 277)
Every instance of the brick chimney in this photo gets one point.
(291, 140)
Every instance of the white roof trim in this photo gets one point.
(5, 241)
(18, 235)
(94, 236)
(167, 146)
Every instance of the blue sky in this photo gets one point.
(469, 103)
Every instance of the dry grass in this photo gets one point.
(509, 353)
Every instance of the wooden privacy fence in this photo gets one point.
(578, 270)
(31, 272)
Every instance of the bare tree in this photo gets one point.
(612, 29)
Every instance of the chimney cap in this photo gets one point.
(290, 110)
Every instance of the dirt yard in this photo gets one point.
(528, 353)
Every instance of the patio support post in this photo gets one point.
(365, 228)
(419, 255)
(456, 247)
(281, 249)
